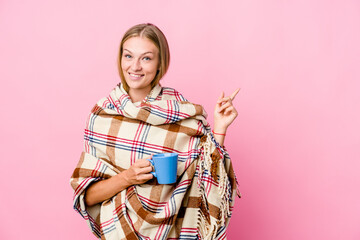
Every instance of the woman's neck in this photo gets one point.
(137, 95)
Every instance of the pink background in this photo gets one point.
(295, 145)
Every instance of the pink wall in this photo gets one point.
(295, 144)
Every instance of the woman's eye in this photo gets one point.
(127, 56)
(147, 58)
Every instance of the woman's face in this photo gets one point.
(139, 62)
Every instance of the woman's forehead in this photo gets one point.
(140, 45)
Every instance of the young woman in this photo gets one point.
(114, 189)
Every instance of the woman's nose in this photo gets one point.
(136, 66)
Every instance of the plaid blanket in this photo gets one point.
(118, 132)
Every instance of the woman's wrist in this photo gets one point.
(218, 133)
(123, 180)
(219, 130)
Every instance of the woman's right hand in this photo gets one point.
(139, 172)
(105, 189)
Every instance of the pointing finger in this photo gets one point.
(234, 94)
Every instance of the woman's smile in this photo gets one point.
(134, 76)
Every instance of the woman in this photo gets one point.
(114, 189)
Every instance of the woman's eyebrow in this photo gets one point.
(141, 54)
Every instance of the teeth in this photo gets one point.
(135, 75)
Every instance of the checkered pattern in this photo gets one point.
(118, 132)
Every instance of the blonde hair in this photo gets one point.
(155, 35)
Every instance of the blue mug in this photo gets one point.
(165, 166)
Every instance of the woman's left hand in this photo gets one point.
(225, 112)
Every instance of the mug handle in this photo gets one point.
(152, 163)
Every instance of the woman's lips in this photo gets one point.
(134, 76)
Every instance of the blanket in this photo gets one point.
(118, 132)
